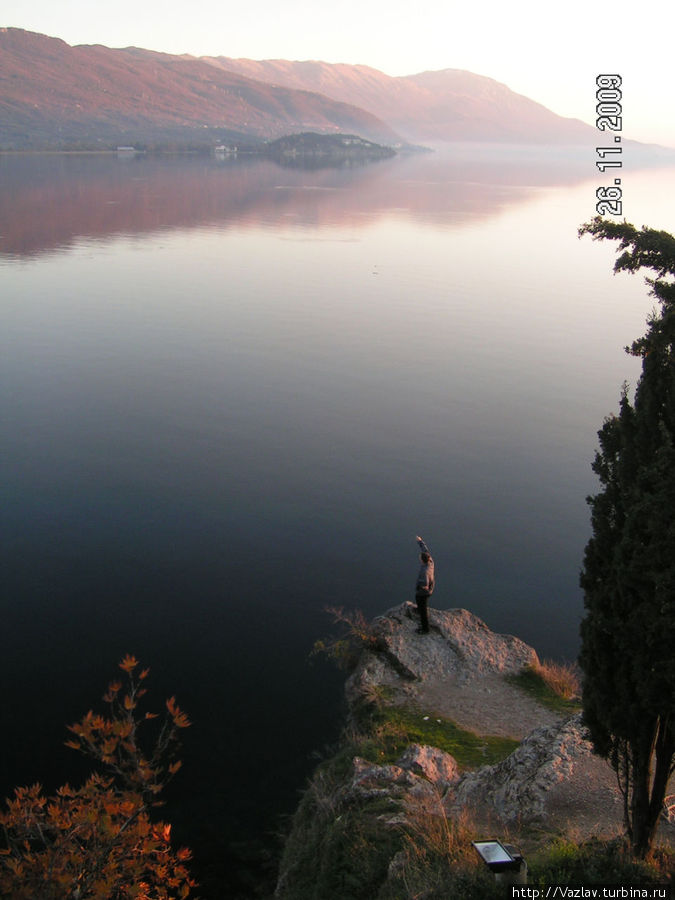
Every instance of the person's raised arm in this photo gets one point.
(423, 546)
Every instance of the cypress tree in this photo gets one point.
(628, 577)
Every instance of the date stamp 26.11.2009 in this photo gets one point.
(609, 118)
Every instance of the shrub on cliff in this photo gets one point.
(356, 635)
(336, 848)
(98, 840)
(628, 576)
(378, 848)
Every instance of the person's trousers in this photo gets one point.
(422, 601)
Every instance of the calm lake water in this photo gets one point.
(233, 393)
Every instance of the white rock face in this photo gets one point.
(518, 787)
(431, 763)
(459, 646)
(418, 764)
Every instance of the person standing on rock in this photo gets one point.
(425, 585)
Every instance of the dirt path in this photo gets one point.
(487, 705)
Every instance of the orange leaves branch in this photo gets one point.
(97, 840)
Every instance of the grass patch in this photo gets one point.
(393, 728)
(598, 862)
(533, 681)
(437, 861)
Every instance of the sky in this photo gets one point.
(551, 52)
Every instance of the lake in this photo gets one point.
(233, 393)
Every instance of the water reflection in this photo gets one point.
(52, 201)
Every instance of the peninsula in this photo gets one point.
(444, 746)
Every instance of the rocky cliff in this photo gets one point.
(521, 770)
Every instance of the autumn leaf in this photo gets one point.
(124, 729)
(180, 720)
(129, 663)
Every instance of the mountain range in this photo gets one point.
(53, 95)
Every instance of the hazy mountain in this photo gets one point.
(52, 94)
(449, 105)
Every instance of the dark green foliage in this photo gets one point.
(355, 856)
(337, 849)
(310, 149)
(426, 872)
(628, 576)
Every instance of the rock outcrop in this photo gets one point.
(420, 770)
(458, 671)
(459, 646)
(550, 784)
(529, 784)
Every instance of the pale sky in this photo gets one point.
(549, 52)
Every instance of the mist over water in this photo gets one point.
(233, 393)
